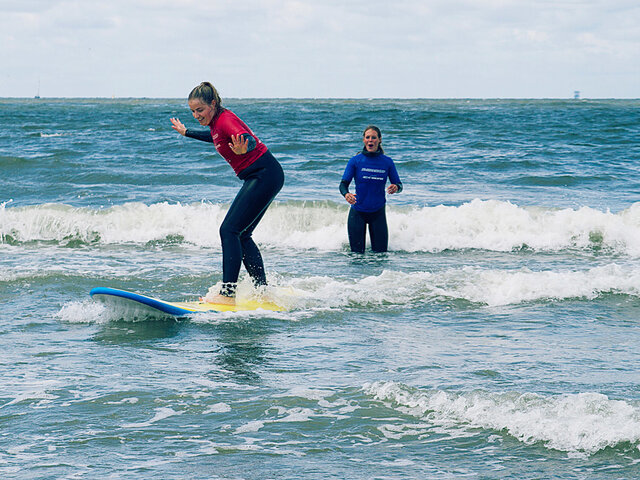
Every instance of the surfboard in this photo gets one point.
(114, 296)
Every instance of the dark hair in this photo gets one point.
(377, 130)
(207, 93)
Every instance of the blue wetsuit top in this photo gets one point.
(370, 171)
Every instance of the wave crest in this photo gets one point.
(480, 224)
(582, 423)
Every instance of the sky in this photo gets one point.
(321, 49)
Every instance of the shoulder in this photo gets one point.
(387, 160)
(228, 121)
(227, 116)
(357, 161)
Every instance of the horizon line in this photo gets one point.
(315, 98)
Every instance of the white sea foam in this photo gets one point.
(129, 223)
(92, 311)
(83, 312)
(252, 426)
(161, 414)
(491, 287)
(490, 225)
(218, 408)
(278, 414)
(295, 414)
(128, 400)
(31, 391)
(307, 393)
(576, 423)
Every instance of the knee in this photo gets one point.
(245, 236)
(227, 231)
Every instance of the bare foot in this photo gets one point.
(221, 299)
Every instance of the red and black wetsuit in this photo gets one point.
(262, 178)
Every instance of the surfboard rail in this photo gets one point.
(180, 309)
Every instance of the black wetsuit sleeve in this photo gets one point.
(344, 187)
(252, 141)
(204, 135)
(399, 184)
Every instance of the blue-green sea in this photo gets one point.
(499, 338)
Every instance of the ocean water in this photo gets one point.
(499, 337)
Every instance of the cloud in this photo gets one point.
(408, 48)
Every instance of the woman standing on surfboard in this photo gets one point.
(262, 178)
(370, 168)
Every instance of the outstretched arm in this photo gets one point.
(178, 126)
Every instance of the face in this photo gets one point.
(201, 111)
(371, 140)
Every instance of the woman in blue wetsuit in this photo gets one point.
(262, 178)
(370, 169)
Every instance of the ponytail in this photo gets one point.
(206, 93)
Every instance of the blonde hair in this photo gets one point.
(206, 93)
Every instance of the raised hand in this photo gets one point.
(239, 144)
(178, 126)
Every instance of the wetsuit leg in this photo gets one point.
(261, 184)
(357, 229)
(378, 231)
(251, 256)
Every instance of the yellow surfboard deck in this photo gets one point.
(117, 296)
(241, 306)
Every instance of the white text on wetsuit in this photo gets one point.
(373, 170)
